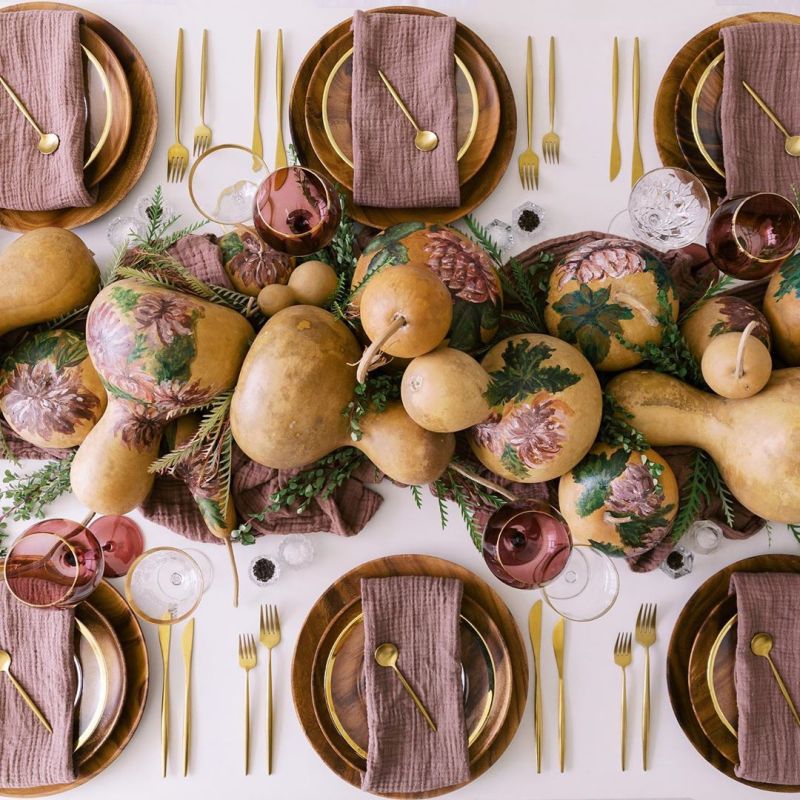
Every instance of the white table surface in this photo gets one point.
(577, 196)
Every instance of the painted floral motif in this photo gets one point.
(738, 315)
(607, 258)
(142, 425)
(167, 316)
(247, 257)
(46, 401)
(634, 493)
(461, 265)
(108, 338)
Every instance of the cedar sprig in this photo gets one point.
(372, 395)
(416, 493)
(159, 233)
(717, 287)
(616, 429)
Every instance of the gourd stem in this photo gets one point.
(630, 300)
(742, 343)
(229, 545)
(491, 485)
(374, 348)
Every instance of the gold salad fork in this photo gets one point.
(178, 155)
(247, 661)
(646, 637)
(551, 142)
(202, 133)
(528, 160)
(622, 658)
(270, 635)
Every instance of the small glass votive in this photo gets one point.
(264, 570)
(296, 551)
(678, 563)
(704, 536)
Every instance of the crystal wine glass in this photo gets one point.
(164, 585)
(296, 211)
(56, 563)
(121, 540)
(750, 237)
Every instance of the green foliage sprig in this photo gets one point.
(372, 395)
(615, 428)
(161, 232)
(717, 287)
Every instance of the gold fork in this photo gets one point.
(646, 637)
(551, 142)
(270, 635)
(178, 155)
(528, 160)
(247, 661)
(202, 133)
(622, 658)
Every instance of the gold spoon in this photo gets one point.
(423, 140)
(761, 644)
(5, 666)
(48, 142)
(386, 655)
(792, 143)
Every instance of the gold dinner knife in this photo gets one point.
(280, 149)
(558, 649)
(637, 168)
(164, 639)
(535, 631)
(258, 144)
(616, 157)
(187, 643)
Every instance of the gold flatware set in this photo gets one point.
(622, 658)
(423, 140)
(386, 655)
(615, 161)
(791, 143)
(270, 637)
(202, 133)
(5, 666)
(761, 645)
(48, 142)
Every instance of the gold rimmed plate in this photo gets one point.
(340, 658)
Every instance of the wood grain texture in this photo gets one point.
(116, 185)
(473, 192)
(340, 109)
(684, 634)
(108, 602)
(664, 120)
(342, 592)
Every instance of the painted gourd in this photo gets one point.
(251, 264)
(546, 406)
(623, 503)
(754, 442)
(160, 353)
(782, 310)
(465, 269)
(45, 274)
(50, 393)
(607, 290)
(296, 382)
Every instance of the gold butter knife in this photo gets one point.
(164, 639)
(535, 631)
(637, 168)
(258, 144)
(558, 649)
(280, 149)
(616, 157)
(187, 643)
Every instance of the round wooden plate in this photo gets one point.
(724, 689)
(141, 140)
(664, 123)
(697, 118)
(684, 634)
(342, 592)
(340, 109)
(473, 192)
(109, 603)
(487, 686)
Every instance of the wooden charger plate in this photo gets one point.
(338, 681)
(473, 192)
(479, 138)
(108, 602)
(687, 627)
(341, 593)
(664, 115)
(113, 188)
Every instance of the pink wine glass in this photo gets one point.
(121, 540)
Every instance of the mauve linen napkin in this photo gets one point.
(421, 616)
(769, 738)
(416, 53)
(40, 59)
(767, 56)
(41, 646)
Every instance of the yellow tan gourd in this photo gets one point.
(45, 274)
(312, 283)
(296, 382)
(782, 309)
(160, 353)
(755, 442)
